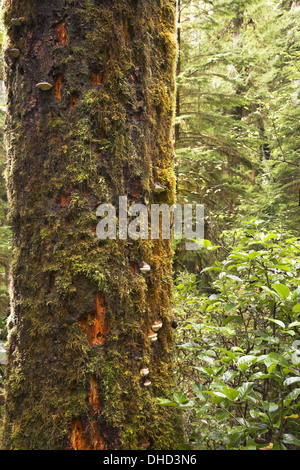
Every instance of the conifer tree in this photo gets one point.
(90, 106)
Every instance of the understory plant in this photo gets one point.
(239, 346)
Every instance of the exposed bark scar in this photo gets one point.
(73, 100)
(133, 78)
(58, 84)
(94, 398)
(137, 189)
(138, 115)
(62, 33)
(64, 198)
(96, 325)
(52, 286)
(134, 268)
(97, 77)
(80, 440)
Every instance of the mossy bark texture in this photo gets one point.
(81, 308)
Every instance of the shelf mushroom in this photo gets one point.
(14, 52)
(157, 326)
(144, 267)
(44, 86)
(159, 188)
(144, 372)
(16, 21)
(152, 337)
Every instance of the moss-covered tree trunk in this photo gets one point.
(81, 308)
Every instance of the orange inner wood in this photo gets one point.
(62, 33)
(73, 100)
(133, 78)
(97, 78)
(95, 325)
(137, 189)
(80, 440)
(58, 83)
(94, 398)
(64, 198)
(134, 269)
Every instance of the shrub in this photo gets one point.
(239, 348)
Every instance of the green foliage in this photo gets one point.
(239, 354)
(238, 147)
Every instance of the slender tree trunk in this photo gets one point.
(81, 308)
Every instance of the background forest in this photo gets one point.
(237, 300)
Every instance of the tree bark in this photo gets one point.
(81, 308)
(178, 71)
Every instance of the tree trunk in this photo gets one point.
(81, 308)
(178, 71)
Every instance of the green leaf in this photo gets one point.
(245, 389)
(221, 414)
(180, 398)
(211, 268)
(260, 376)
(203, 409)
(215, 247)
(229, 375)
(270, 291)
(292, 396)
(230, 393)
(290, 439)
(206, 243)
(257, 254)
(198, 390)
(275, 358)
(165, 402)
(245, 361)
(206, 371)
(185, 447)
(229, 307)
(278, 322)
(232, 318)
(282, 290)
(291, 380)
(234, 278)
(296, 308)
(272, 407)
(180, 286)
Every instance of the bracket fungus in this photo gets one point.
(14, 52)
(44, 86)
(152, 337)
(159, 188)
(144, 372)
(147, 383)
(16, 21)
(157, 326)
(144, 267)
